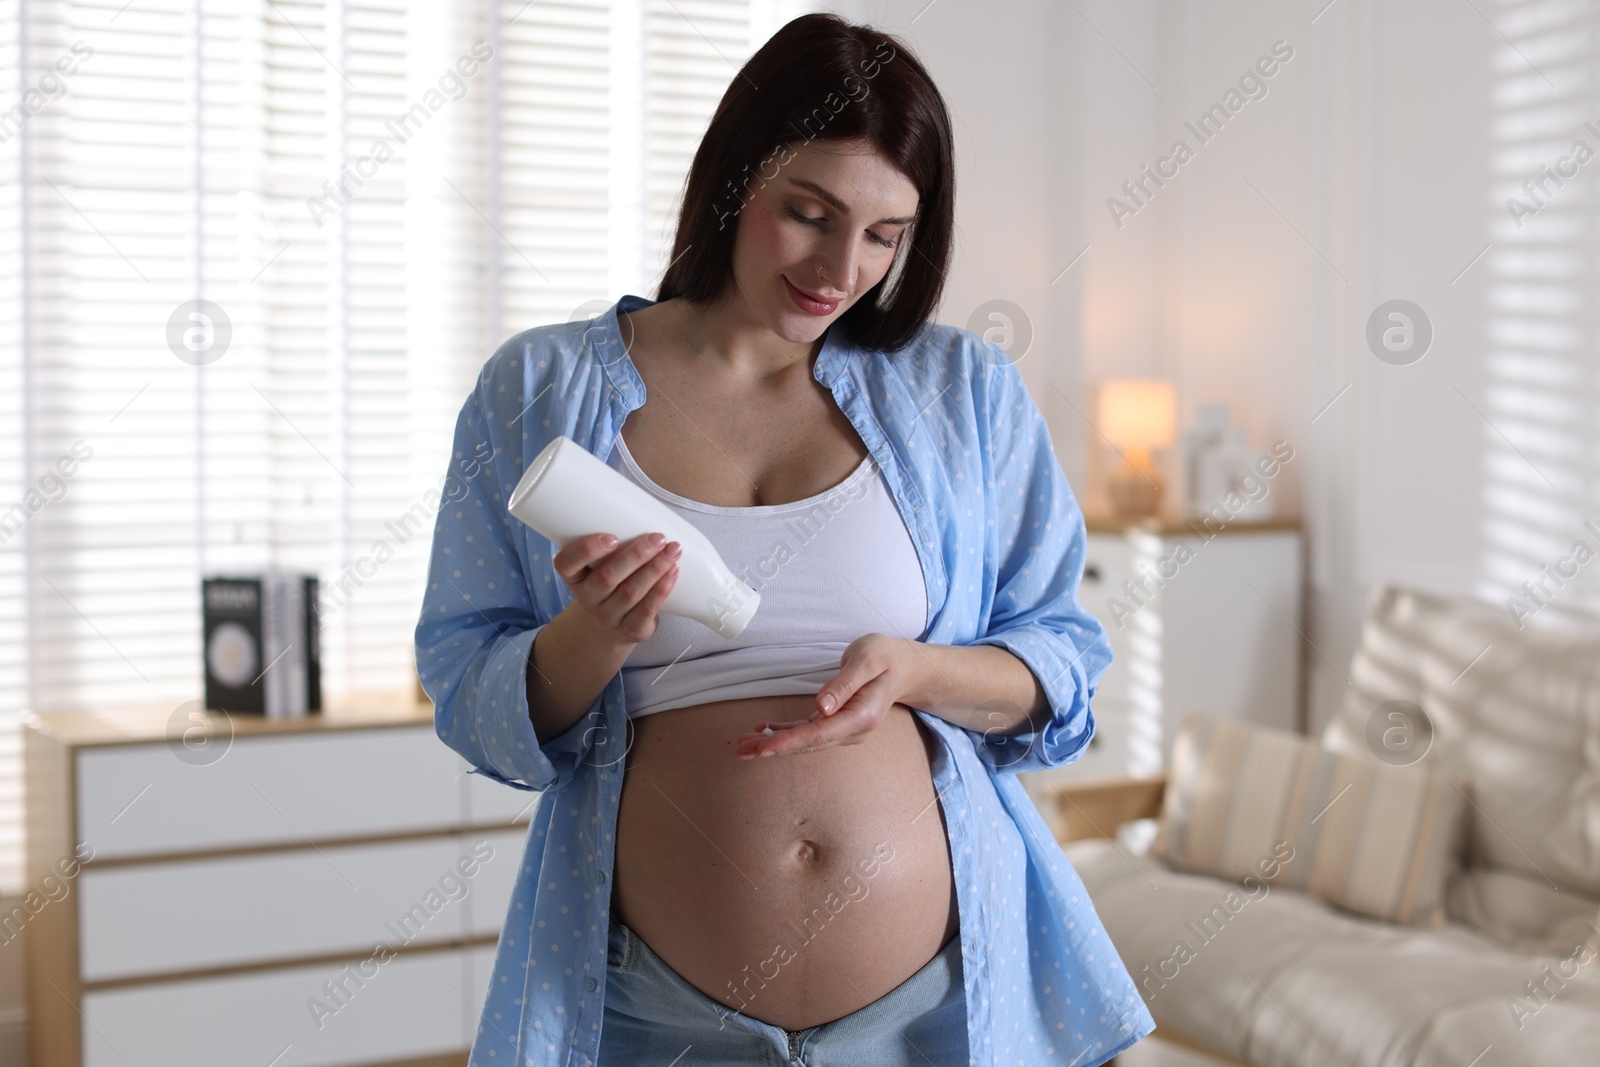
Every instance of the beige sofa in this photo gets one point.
(1512, 979)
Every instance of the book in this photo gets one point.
(262, 653)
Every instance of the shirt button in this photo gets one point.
(592, 984)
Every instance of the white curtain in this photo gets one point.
(366, 198)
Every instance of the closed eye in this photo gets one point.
(818, 221)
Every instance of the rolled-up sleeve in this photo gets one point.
(1039, 542)
(479, 621)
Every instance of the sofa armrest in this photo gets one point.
(1098, 808)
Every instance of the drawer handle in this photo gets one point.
(1091, 572)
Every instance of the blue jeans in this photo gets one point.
(654, 1018)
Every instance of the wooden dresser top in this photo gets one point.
(143, 724)
(1163, 525)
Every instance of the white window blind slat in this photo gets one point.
(178, 164)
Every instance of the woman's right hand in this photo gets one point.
(620, 588)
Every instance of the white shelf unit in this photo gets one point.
(227, 898)
(1199, 620)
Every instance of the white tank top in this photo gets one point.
(829, 568)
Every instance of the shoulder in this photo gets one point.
(965, 372)
(946, 351)
(548, 353)
(542, 370)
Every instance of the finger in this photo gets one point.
(869, 704)
(751, 746)
(769, 727)
(638, 619)
(808, 738)
(576, 555)
(637, 585)
(854, 673)
(811, 736)
(605, 575)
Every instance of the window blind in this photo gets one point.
(366, 222)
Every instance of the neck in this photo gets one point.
(728, 334)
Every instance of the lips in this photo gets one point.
(812, 302)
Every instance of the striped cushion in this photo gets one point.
(1372, 838)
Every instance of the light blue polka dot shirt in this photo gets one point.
(969, 464)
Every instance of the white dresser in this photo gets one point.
(298, 893)
(1199, 619)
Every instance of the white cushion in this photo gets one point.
(1244, 800)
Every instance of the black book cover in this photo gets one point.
(234, 646)
(262, 645)
(313, 639)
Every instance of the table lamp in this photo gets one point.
(1136, 416)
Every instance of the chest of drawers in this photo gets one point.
(1200, 618)
(297, 893)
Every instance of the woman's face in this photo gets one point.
(837, 205)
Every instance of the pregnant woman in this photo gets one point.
(807, 844)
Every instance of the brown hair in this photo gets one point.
(820, 77)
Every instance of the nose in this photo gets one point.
(841, 263)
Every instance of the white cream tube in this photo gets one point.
(567, 493)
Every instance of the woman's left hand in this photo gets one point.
(873, 674)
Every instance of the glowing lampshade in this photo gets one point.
(1137, 415)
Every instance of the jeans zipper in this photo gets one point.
(794, 1047)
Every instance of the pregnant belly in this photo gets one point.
(794, 888)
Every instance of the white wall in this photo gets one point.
(1376, 166)
(1004, 70)
(1056, 106)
